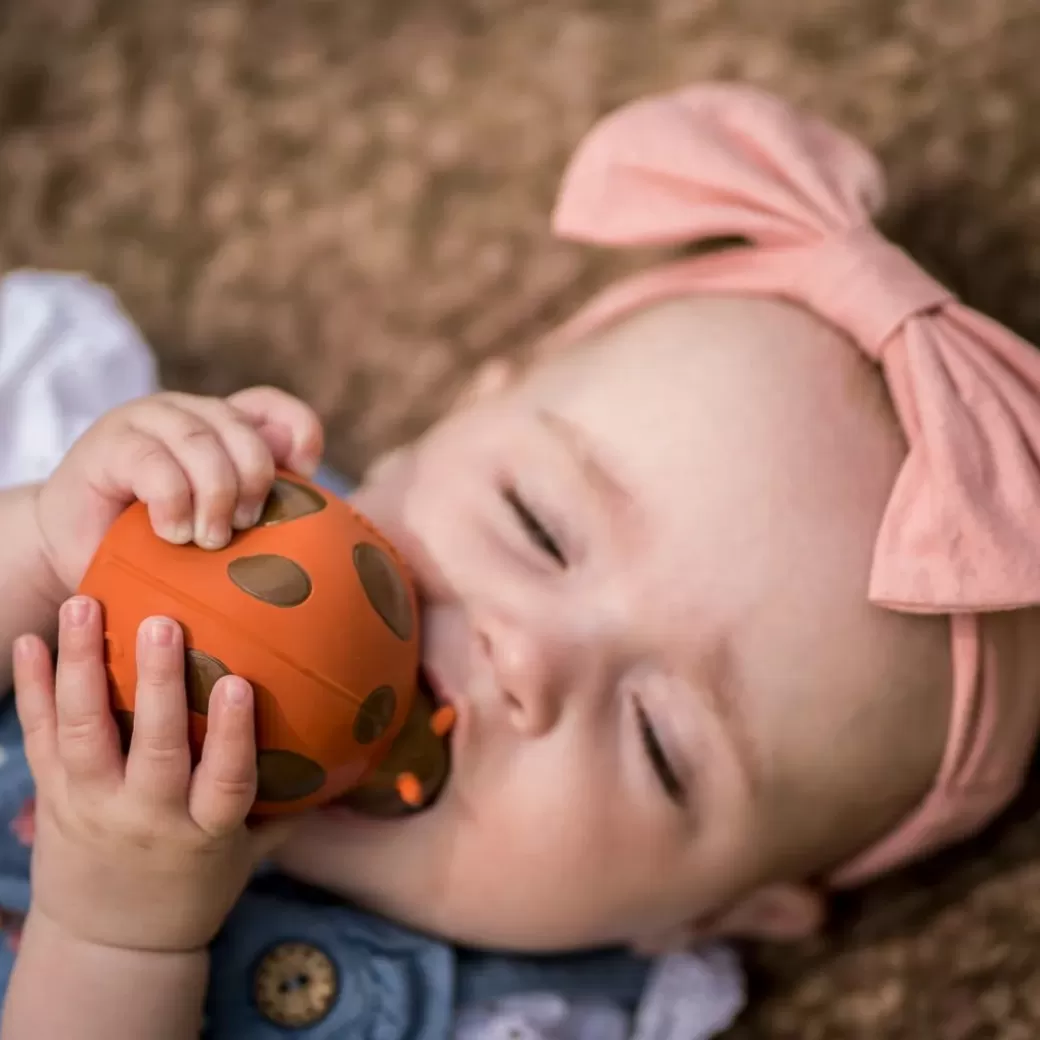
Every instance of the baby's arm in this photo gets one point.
(31, 590)
(136, 858)
(136, 862)
(62, 986)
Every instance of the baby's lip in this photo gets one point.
(437, 690)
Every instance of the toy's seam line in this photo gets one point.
(222, 619)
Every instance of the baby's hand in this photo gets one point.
(202, 465)
(139, 852)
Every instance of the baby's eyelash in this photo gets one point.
(658, 759)
(533, 527)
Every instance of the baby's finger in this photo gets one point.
(137, 465)
(248, 451)
(290, 428)
(224, 785)
(201, 454)
(34, 702)
(158, 766)
(88, 743)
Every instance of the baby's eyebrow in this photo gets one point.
(599, 476)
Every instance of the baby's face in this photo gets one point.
(643, 569)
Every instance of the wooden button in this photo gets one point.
(295, 985)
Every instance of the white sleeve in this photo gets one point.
(68, 354)
(541, 1016)
(688, 996)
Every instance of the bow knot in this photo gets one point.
(867, 286)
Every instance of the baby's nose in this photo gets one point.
(522, 663)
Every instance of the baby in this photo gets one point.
(733, 590)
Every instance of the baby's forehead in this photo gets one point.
(680, 388)
(758, 444)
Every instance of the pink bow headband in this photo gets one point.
(959, 535)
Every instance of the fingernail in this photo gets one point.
(160, 632)
(215, 536)
(236, 692)
(247, 516)
(23, 648)
(76, 611)
(179, 533)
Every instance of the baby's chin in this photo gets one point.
(406, 871)
(337, 833)
(371, 863)
(362, 858)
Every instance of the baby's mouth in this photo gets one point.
(416, 767)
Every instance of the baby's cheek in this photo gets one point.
(551, 847)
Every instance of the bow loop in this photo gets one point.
(959, 532)
(712, 162)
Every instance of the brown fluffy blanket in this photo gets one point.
(350, 199)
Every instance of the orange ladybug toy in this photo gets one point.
(315, 609)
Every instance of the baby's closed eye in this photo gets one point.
(534, 527)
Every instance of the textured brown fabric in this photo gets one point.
(350, 199)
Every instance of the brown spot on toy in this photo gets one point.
(384, 588)
(284, 776)
(375, 715)
(289, 501)
(125, 725)
(273, 579)
(201, 673)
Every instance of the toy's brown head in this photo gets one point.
(315, 608)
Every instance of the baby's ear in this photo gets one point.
(773, 913)
(776, 913)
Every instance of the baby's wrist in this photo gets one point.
(50, 585)
(55, 935)
(105, 990)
